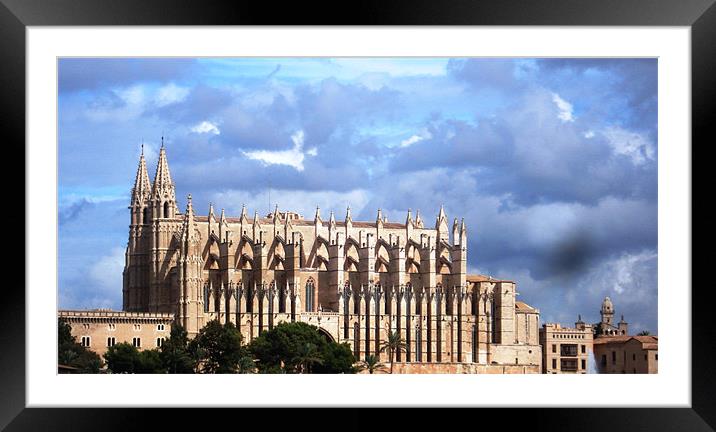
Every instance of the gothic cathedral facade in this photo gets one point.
(356, 281)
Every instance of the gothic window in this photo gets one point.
(474, 344)
(418, 344)
(493, 322)
(110, 341)
(160, 327)
(206, 298)
(356, 340)
(282, 300)
(145, 218)
(166, 209)
(160, 342)
(310, 291)
(137, 342)
(85, 341)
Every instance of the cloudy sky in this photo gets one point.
(552, 162)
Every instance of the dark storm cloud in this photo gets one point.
(90, 73)
(69, 212)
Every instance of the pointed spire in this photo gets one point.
(188, 224)
(275, 214)
(409, 218)
(348, 215)
(317, 217)
(211, 211)
(223, 216)
(332, 219)
(379, 218)
(441, 214)
(243, 210)
(256, 217)
(418, 220)
(141, 189)
(463, 229)
(163, 179)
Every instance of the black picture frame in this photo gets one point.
(16, 15)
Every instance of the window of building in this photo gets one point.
(160, 327)
(584, 349)
(656, 356)
(584, 364)
(614, 356)
(568, 365)
(554, 363)
(111, 327)
(568, 350)
(604, 359)
(310, 291)
(137, 342)
(554, 348)
(633, 357)
(419, 345)
(86, 326)
(137, 327)
(85, 341)
(160, 342)
(110, 341)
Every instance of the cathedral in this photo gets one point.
(354, 280)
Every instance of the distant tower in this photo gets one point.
(623, 327)
(607, 313)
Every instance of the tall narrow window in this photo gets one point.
(419, 344)
(166, 209)
(356, 340)
(493, 320)
(310, 292)
(474, 344)
(206, 298)
(145, 218)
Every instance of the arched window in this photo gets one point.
(282, 300)
(145, 217)
(310, 292)
(166, 209)
(418, 344)
(474, 344)
(206, 298)
(356, 340)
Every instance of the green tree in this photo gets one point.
(337, 358)
(219, 348)
(372, 364)
(299, 348)
(122, 358)
(393, 345)
(174, 353)
(149, 362)
(71, 353)
(307, 356)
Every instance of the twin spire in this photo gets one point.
(163, 184)
(141, 190)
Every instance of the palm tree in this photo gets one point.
(644, 333)
(306, 357)
(394, 344)
(372, 364)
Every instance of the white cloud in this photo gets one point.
(103, 273)
(416, 138)
(206, 127)
(293, 157)
(630, 144)
(589, 134)
(566, 110)
(169, 94)
(303, 202)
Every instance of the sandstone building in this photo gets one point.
(355, 280)
(616, 351)
(565, 349)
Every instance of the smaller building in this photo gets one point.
(566, 349)
(100, 329)
(627, 354)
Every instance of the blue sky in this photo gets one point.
(552, 162)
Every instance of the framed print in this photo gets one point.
(296, 172)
